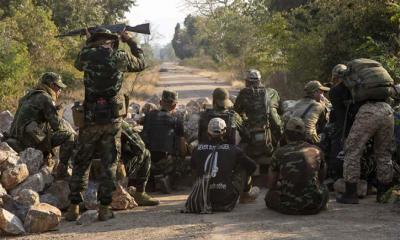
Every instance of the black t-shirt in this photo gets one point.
(230, 159)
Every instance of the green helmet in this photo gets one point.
(50, 77)
(253, 75)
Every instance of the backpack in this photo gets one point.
(367, 80)
(227, 116)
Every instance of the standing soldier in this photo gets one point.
(103, 65)
(258, 107)
(163, 133)
(37, 124)
(312, 109)
(221, 109)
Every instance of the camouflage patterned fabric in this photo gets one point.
(299, 166)
(373, 120)
(46, 129)
(104, 69)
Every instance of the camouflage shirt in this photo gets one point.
(104, 69)
(299, 166)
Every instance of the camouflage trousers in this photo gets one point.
(104, 140)
(373, 120)
(138, 167)
(274, 201)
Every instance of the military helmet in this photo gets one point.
(339, 70)
(253, 75)
(51, 77)
(221, 98)
(169, 96)
(216, 127)
(103, 34)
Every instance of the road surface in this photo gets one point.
(368, 220)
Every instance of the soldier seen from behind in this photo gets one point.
(104, 66)
(258, 107)
(221, 171)
(296, 174)
(37, 123)
(163, 133)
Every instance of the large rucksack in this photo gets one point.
(227, 116)
(367, 80)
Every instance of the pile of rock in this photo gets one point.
(30, 199)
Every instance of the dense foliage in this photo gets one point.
(291, 42)
(28, 46)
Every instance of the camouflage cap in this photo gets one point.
(338, 70)
(253, 75)
(103, 33)
(295, 124)
(221, 98)
(313, 86)
(51, 77)
(169, 96)
(216, 126)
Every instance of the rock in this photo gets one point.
(41, 218)
(67, 115)
(15, 207)
(340, 187)
(155, 99)
(6, 119)
(47, 176)
(35, 182)
(122, 200)
(33, 158)
(191, 125)
(6, 148)
(13, 176)
(8, 157)
(90, 196)
(87, 217)
(3, 191)
(28, 197)
(50, 199)
(10, 223)
(60, 190)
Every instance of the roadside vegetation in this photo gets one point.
(291, 42)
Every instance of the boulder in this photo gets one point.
(12, 205)
(3, 191)
(13, 176)
(10, 223)
(41, 218)
(50, 199)
(33, 158)
(8, 157)
(87, 217)
(6, 119)
(28, 197)
(122, 200)
(90, 196)
(48, 178)
(6, 148)
(60, 190)
(35, 182)
(362, 187)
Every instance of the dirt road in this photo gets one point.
(367, 220)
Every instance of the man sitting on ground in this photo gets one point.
(296, 175)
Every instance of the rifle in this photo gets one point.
(115, 28)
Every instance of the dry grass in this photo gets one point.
(222, 76)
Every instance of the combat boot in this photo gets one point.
(143, 199)
(381, 190)
(163, 184)
(350, 196)
(72, 213)
(250, 196)
(105, 213)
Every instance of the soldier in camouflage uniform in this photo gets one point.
(38, 125)
(296, 174)
(137, 161)
(258, 107)
(374, 120)
(103, 65)
(312, 109)
(163, 133)
(221, 109)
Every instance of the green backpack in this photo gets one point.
(368, 80)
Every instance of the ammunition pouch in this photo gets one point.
(260, 142)
(104, 111)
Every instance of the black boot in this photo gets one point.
(381, 190)
(350, 196)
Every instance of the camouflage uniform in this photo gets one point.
(37, 124)
(103, 69)
(299, 167)
(373, 120)
(135, 156)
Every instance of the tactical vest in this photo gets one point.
(161, 135)
(227, 116)
(257, 112)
